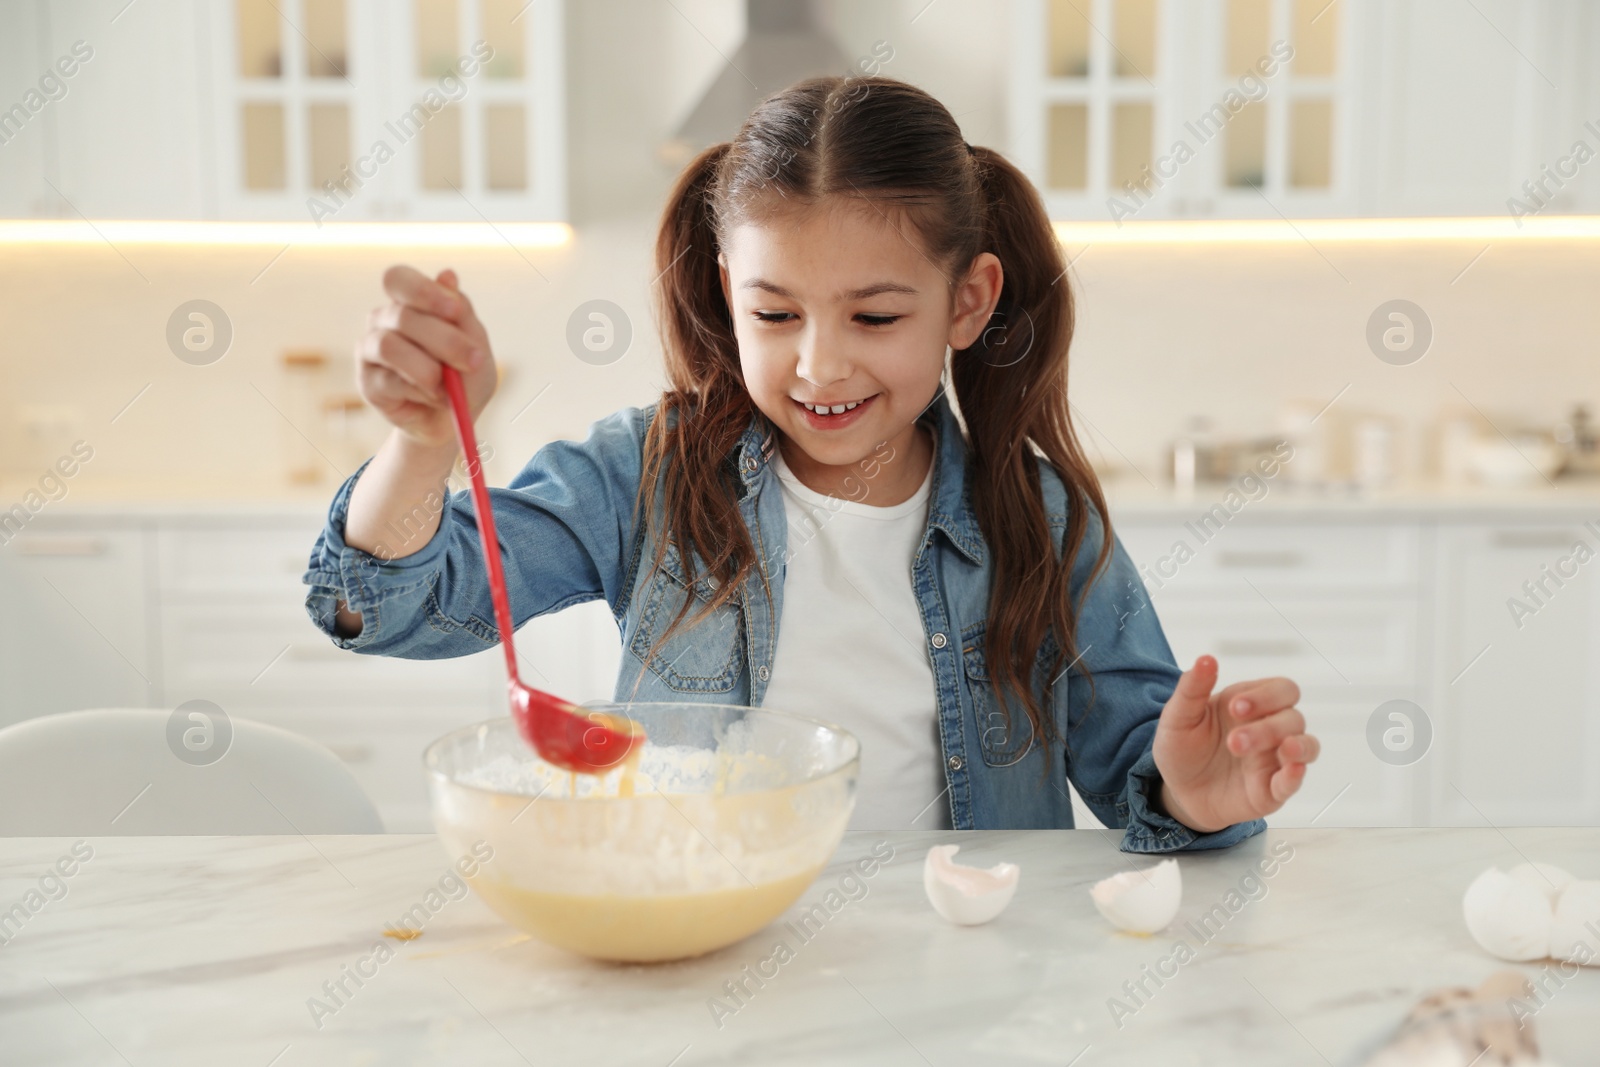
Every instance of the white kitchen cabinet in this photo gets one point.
(1414, 608)
(1149, 109)
(289, 110)
(27, 113)
(76, 629)
(1386, 109)
(350, 110)
(1346, 786)
(1517, 689)
(130, 123)
(1334, 604)
(497, 149)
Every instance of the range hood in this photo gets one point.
(784, 43)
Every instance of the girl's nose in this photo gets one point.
(822, 360)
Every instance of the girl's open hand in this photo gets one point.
(427, 323)
(1230, 756)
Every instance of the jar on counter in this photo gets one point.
(305, 374)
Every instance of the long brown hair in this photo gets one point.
(890, 143)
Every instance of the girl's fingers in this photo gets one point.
(1252, 700)
(409, 286)
(1191, 699)
(1267, 733)
(442, 340)
(1286, 781)
(1299, 748)
(384, 388)
(392, 351)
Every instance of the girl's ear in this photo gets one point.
(975, 300)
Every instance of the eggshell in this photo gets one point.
(967, 896)
(1508, 917)
(1575, 929)
(1547, 878)
(1141, 902)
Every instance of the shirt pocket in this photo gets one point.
(704, 658)
(1004, 731)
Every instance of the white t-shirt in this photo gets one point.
(851, 648)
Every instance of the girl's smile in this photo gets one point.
(835, 414)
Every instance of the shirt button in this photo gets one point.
(956, 763)
(763, 673)
(939, 640)
(750, 463)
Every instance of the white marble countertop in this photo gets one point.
(207, 950)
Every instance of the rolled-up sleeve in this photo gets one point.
(1124, 654)
(565, 525)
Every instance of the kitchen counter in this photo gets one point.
(207, 951)
(1126, 494)
(1578, 498)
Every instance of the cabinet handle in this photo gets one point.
(1257, 648)
(61, 545)
(1261, 559)
(1534, 538)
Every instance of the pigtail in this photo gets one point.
(705, 409)
(1012, 389)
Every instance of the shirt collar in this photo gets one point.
(949, 504)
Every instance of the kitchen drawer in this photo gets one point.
(1318, 643)
(1316, 559)
(271, 651)
(263, 557)
(74, 617)
(1347, 785)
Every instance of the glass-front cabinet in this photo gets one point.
(346, 110)
(1126, 109)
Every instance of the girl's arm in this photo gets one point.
(1112, 743)
(398, 569)
(426, 324)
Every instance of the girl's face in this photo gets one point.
(842, 324)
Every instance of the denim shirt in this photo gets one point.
(567, 523)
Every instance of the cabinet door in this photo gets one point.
(130, 124)
(74, 632)
(1518, 682)
(28, 116)
(475, 102)
(1464, 96)
(297, 103)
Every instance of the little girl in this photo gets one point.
(860, 499)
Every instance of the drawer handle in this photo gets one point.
(1261, 559)
(65, 545)
(1258, 648)
(1534, 538)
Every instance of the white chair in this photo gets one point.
(114, 771)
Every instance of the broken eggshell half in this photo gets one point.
(967, 896)
(1141, 902)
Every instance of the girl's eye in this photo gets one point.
(878, 320)
(773, 316)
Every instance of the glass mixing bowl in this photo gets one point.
(733, 812)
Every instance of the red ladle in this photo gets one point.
(573, 738)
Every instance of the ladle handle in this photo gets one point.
(480, 503)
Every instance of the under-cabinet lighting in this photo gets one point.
(1316, 231)
(300, 234)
